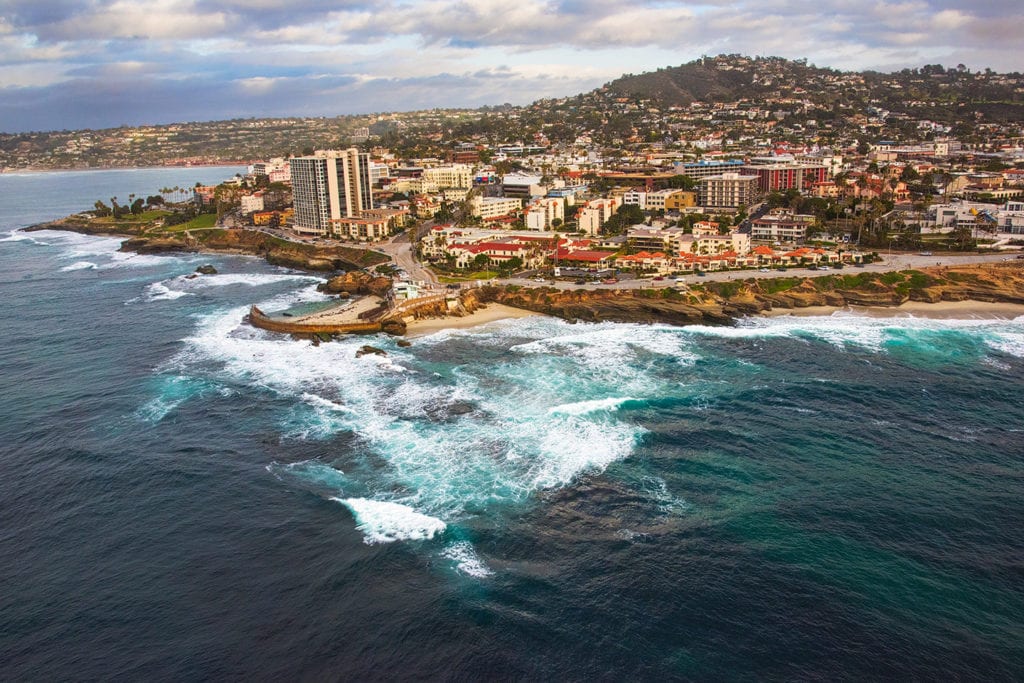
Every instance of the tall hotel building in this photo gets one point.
(327, 186)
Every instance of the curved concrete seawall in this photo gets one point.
(258, 318)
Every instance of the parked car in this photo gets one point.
(659, 277)
(581, 281)
(764, 270)
(700, 273)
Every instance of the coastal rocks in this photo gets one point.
(289, 259)
(404, 343)
(157, 245)
(393, 326)
(357, 282)
(367, 350)
(206, 270)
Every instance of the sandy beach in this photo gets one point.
(915, 309)
(490, 313)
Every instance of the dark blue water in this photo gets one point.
(184, 497)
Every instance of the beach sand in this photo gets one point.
(914, 309)
(490, 313)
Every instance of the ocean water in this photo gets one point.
(185, 497)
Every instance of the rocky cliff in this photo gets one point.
(720, 303)
(277, 251)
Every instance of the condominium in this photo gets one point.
(728, 191)
(541, 213)
(452, 175)
(328, 186)
(595, 213)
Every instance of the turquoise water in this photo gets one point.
(187, 497)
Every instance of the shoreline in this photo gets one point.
(492, 312)
(940, 310)
(36, 171)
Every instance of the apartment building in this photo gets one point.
(728, 191)
(490, 208)
(452, 175)
(540, 213)
(595, 213)
(328, 186)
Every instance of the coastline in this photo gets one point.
(487, 314)
(940, 310)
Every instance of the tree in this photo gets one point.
(102, 210)
(682, 182)
(137, 206)
(481, 261)
(556, 223)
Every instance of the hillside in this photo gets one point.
(932, 91)
(715, 79)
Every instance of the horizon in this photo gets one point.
(77, 65)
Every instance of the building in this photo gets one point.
(522, 186)
(541, 213)
(780, 226)
(595, 213)
(251, 203)
(452, 175)
(680, 200)
(490, 208)
(782, 177)
(277, 170)
(728, 191)
(659, 199)
(706, 169)
(329, 186)
(635, 197)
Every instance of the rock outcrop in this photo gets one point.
(720, 303)
(357, 282)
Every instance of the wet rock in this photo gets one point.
(367, 349)
(404, 343)
(393, 326)
(206, 270)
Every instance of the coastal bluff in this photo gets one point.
(721, 303)
(274, 250)
(143, 238)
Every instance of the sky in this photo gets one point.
(72, 64)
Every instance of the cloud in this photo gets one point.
(337, 56)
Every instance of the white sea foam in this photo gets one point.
(248, 279)
(79, 265)
(466, 560)
(845, 328)
(591, 406)
(21, 236)
(386, 522)
(161, 292)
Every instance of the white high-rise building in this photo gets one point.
(329, 185)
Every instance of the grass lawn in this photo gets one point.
(478, 275)
(204, 220)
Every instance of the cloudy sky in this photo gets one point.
(100, 63)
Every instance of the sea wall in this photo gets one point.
(258, 318)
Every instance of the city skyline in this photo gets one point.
(93, 65)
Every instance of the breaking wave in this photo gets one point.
(384, 522)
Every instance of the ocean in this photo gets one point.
(185, 497)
